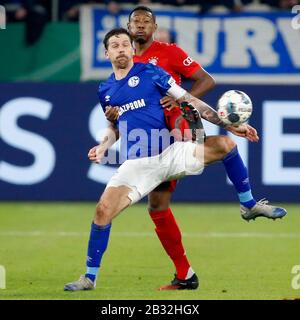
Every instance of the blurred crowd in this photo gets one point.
(37, 13)
(68, 10)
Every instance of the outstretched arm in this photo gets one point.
(111, 135)
(209, 114)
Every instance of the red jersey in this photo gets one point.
(171, 58)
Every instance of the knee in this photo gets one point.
(103, 213)
(157, 203)
(226, 144)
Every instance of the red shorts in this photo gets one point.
(177, 124)
(174, 120)
(167, 186)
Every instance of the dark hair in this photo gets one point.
(142, 8)
(115, 32)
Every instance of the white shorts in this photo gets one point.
(142, 175)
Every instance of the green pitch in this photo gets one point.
(43, 246)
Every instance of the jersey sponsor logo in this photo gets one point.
(188, 61)
(153, 60)
(136, 104)
(133, 81)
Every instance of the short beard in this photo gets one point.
(122, 66)
(140, 40)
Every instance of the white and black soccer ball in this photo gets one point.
(234, 107)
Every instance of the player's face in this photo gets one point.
(142, 26)
(119, 51)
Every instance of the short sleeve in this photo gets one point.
(160, 78)
(101, 97)
(182, 62)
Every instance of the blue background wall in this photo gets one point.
(67, 129)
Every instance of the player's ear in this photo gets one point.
(106, 54)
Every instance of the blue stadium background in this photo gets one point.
(65, 129)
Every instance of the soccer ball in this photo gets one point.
(234, 107)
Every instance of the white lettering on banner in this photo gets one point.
(97, 127)
(291, 39)
(296, 20)
(39, 147)
(242, 48)
(209, 28)
(100, 52)
(108, 22)
(162, 21)
(246, 36)
(276, 142)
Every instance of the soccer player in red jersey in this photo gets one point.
(172, 59)
(176, 62)
(142, 26)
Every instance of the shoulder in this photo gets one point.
(173, 52)
(170, 47)
(148, 68)
(166, 47)
(151, 68)
(177, 52)
(106, 84)
(156, 73)
(104, 87)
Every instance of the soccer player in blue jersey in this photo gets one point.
(137, 89)
(142, 26)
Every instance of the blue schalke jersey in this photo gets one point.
(138, 98)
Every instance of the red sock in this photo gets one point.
(170, 237)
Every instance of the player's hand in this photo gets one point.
(168, 102)
(112, 113)
(96, 153)
(245, 131)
